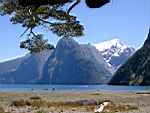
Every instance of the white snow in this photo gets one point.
(110, 43)
(113, 48)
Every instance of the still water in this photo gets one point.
(39, 87)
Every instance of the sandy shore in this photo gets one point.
(71, 102)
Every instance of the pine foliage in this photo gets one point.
(53, 17)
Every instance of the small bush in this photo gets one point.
(33, 103)
(19, 103)
(41, 111)
(2, 110)
(96, 94)
(35, 98)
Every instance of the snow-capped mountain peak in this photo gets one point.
(110, 43)
(115, 52)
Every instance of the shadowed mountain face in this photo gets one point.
(69, 63)
(72, 63)
(24, 70)
(136, 71)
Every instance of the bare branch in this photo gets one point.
(24, 32)
(44, 21)
(73, 5)
(31, 31)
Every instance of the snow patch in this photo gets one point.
(109, 44)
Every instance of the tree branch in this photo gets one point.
(31, 31)
(24, 32)
(73, 5)
(44, 21)
(26, 3)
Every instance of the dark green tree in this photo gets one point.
(48, 14)
(36, 44)
(53, 17)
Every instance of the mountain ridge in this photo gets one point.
(69, 63)
(83, 62)
(115, 52)
(136, 70)
(22, 70)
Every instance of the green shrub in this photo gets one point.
(41, 111)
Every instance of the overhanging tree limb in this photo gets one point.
(26, 3)
(72, 6)
(51, 14)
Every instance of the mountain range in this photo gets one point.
(115, 52)
(136, 71)
(73, 63)
(69, 63)
(27, 69)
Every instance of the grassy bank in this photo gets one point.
(67, 102)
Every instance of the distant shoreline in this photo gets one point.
(79, 88)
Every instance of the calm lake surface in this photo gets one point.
(31, 87)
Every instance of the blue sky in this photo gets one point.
(128, 20)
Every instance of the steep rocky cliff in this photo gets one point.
(72, 63)
(136, 71)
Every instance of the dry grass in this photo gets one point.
(2, 110)
(82, 105)
(119, 108)
(47, 104)
(41, 111)
(72, 101)
(35, 98)
(96, 94)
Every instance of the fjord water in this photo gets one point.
(48, 87)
